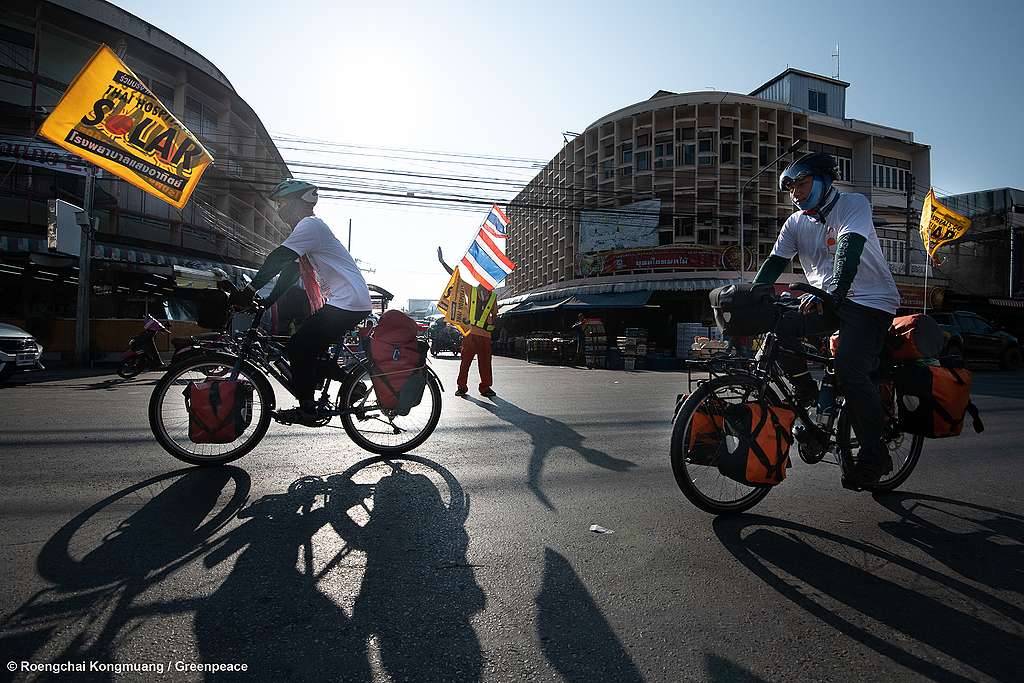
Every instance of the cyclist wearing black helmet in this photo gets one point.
(834, 236)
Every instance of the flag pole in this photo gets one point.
(927, 267)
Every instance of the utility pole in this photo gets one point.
(789, 150)
(1010, 210)
(906, 246)
(350, 235)
(82, 355)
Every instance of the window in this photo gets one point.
(704, 145)
(609, 149)
(607, 169)
(663, 155)
(748, 143)
(686, 155)
(726, 153)
(627, 153)
(894, 251)
(817, 101)
(16, 49)
(891, 173)
(643, 161)
(845, 169)
(686, 134)
(643, 140)
(843, 156)
(727, 132)
(706, 160)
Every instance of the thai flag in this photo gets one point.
(485, 261)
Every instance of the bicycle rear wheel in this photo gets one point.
(695, 466)
(904, 449)
(169, 419)
(381, 431)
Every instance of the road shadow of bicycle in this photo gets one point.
(400, 524)
(934, 624)
(107, 555)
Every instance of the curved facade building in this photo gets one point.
(142, 244)
(651, 198)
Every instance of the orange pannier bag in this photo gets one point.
(932, 400)
(707, 435)
(915, 336)
(756, 446)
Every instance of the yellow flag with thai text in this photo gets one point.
(940, 225)
(109, 117)
(455, 302)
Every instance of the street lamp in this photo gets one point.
(789, 150)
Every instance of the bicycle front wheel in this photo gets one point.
(381, 431)
(695, 456)
(169, 418)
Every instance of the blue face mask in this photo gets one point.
(814, 198)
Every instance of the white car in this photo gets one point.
(19, 350)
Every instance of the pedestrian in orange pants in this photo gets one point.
(482, 306)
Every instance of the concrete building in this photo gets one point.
(650, 198)
(984, 267)
(143, 245)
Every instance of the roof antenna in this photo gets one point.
(835, 56)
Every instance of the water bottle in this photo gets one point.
(826, 398)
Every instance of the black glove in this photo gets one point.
(242, 298)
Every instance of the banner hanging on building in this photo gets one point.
(108, 117)
(940, 225)
(672, 258)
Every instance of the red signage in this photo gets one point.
(662, 259)
(912, 296)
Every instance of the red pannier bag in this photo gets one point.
(915, 336)
(219, 410)
(398, 359)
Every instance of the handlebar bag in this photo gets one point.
(397, 359)
(219, 410)
(744, 309)
(755, 450)
(914, 336)
(932, 400)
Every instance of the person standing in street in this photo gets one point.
(482, 307)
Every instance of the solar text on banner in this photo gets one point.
(485, 261)
(940, 225)
(108, 117)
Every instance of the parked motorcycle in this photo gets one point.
(142, 354)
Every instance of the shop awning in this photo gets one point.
(536, 306)
(616, 300)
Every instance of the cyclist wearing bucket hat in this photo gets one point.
(336, 289)
(834, 236)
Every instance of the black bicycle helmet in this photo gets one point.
(817, 164)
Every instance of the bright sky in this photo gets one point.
(505, 79)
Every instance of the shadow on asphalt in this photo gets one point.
(573, 634)
(405, 517)
(921, 610)
(546, 434)
(102, 560)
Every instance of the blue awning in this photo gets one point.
(612, 300)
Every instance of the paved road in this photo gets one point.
(472, 559)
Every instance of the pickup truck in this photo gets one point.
(975, 339)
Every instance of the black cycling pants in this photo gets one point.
(862, 333)
(322, 329)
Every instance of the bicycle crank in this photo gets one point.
(812, 444)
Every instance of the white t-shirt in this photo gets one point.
(336, 271)
(873, 286)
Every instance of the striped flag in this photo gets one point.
(485, 261)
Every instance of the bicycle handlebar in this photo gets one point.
(828, 304)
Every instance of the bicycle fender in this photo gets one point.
(434, 375)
